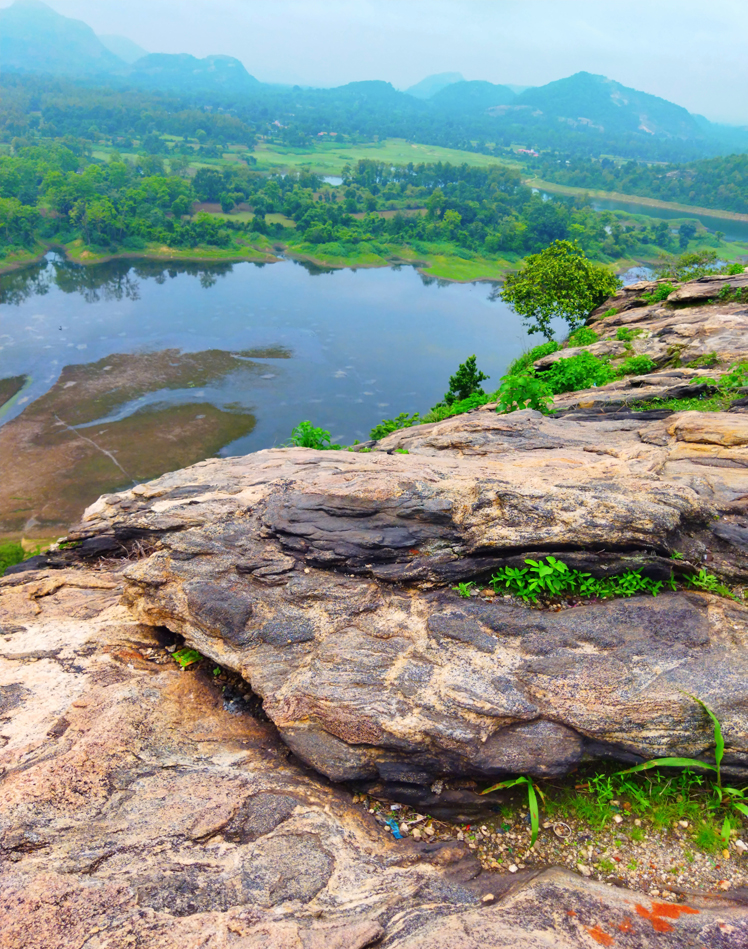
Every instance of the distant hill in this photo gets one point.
(180, 72)
(604, 105)
(123, 47)
(429, 86)
(33, 38)
(475, 96)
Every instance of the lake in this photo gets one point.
(131, 368)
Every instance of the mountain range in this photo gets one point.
(581, 108)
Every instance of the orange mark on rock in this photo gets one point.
(672, 911)
(600, 936)
(626, 926)
(570, 912)
(666, 910)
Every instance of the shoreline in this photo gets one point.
(635, 199)
(280, 252)
(257, 257)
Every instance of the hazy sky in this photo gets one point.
(688, 51)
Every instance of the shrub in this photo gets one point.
(624, 334)
(525, 391)
(662, 292)
(578, 372)
(388, 425)
(635, 366)
(584, 336)
(527, 359)
(305, 435)
(736, 378)
(443, 411)
(134, 243)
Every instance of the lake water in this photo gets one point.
(360, 345)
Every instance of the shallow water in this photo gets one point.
(354, 346)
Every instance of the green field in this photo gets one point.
(330, 159)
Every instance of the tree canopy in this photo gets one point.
(557, 282)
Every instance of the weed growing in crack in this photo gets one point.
(552, 578)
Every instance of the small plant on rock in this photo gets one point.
(661, 293)
(463, 589)
(584, 336)
(728, 797)
(532, 799)
(525, 391)
(305, 435)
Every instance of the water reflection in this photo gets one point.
(111, 281)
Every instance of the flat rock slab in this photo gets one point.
(138, 808)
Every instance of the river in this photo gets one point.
(133, 368)
(733, 230)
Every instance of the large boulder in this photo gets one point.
(324, 579)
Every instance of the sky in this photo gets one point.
(686, 51)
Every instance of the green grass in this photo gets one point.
(708, 403)
(13, 552)
(659, 800)
(330, 158)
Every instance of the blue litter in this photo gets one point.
(392, 824)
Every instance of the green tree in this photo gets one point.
(558, 282)
(686, 233)
(465, 382)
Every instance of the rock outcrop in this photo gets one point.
(324, 579)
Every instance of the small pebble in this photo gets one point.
(512, 868)
(488, 898)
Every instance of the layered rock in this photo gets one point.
(324, 578)
(143, 807)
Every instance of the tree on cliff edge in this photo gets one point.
(558, 282)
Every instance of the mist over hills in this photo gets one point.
(583, 113)
(124, 48)
(429, 86)
(33, 38)
(475, 96)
